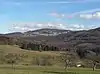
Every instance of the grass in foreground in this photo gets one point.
(44, 70)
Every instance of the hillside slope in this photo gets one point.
(65, 39)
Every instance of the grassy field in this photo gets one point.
(16, 49)
(44, 70)
(34, 69)
(30, 56)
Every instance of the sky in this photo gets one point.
(25, 15)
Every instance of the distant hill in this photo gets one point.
(60, 38)
(46, 32)
(47, 36)
(78, 37)
(84, 42)
(15, 34)
(39, 32)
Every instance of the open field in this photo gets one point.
(22, 68)
(44, 70)
(27, 56)
(16, 49)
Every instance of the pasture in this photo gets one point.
(5, 69)
(28, 63)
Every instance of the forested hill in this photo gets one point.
(59, 39)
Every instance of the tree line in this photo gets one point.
(38, 47)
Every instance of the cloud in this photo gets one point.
(76, 27)
(39, 2)
(95, 15)
(59, 2)
(61, 15)
(33, 26)
(72, 1)
(11, 3)
(23, 27)
(87, 11)
(87, 14)
(28, 2)
(57, 15)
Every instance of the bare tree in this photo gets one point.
(94, 58)
(67, 58)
